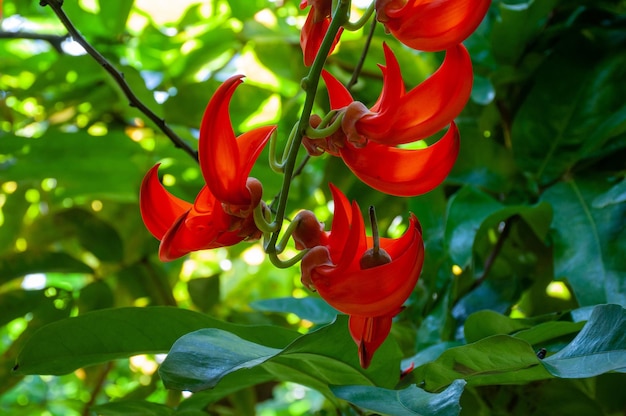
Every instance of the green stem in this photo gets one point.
(309, 83)
(284, 264)
(352, 26)
(261, 220)
(320, 133)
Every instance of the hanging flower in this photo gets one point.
(315, 28)
(221, 214)
(354, 278)
(368, 138)
(431, 25)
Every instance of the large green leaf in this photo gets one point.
(20, 264)
(96, 235)
(599, 348)
(535, 330)
(517, 25)
(201, 359)
(132, 408)
(80, 163)
(95, 337)
(499, 359)
(588, 241)
(411, 401)
(564, 117)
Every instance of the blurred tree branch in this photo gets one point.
(56, 6)
(54, 40)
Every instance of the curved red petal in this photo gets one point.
(369, 333)
(250, 146)
(338, 95)
(159, 209)
(404, 172)
(379, 290)
(393, 85)
(347, 234)
(218, 150)
(428, 107)
(435, 25)
(196, 230)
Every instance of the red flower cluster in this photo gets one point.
(221, 215)
(343, 268)
(368, 278)
(368, 138)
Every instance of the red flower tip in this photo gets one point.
(315, 28)
(429, 25)
(226, 161)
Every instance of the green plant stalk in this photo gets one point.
(310, 82)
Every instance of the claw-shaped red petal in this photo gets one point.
(159, 209)
(404, 172)
(424, 110)
(226, 161)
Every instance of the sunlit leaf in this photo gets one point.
(201, 359)
(312, 309)
(100, 336)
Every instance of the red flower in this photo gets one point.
(372, 294)
(368, 137)
(315, 28)
(431, 25)
(221, 215)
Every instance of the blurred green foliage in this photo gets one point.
(523, 240)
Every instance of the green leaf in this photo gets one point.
(599, 348)
(131, 408)
(516, 26)
(200, 360)
(94, 234)
(615, 195)
(99, 336)
(18, 303)
(411, 401)
(84, 165)
(471, 211)
(483, 324)
(500, 359)
(588, 241)
(485, 164)
(540, 329)
(188, 366)
(20, 264)
(564, 117)
(204, 292)
(312, 309)
(467, 209)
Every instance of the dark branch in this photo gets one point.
(56, 6)
(54, 40)
(359, 65)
